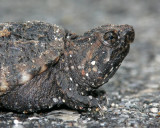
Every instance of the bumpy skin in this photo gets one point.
(86, 63)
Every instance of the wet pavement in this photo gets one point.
(133, 94)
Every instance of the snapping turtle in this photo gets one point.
(44, 65)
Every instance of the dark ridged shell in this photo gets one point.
(26, 50)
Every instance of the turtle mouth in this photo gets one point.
(117, 57)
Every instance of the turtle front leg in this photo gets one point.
(76, 101)
(72, 96)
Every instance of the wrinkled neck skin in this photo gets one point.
(89, 63)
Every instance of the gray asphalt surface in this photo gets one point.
(133, 94)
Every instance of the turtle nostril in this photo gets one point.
(129, 37)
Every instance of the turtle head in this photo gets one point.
(111, 45)
(100, 52)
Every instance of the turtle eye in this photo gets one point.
(110, 37)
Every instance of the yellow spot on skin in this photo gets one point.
(4, 86)
(83, 72)
(43, 68)
(25, 77)
(94, 69)
(4, 32)
(97, 109)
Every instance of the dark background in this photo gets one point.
(135, 85)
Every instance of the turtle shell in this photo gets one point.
(27, 49)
